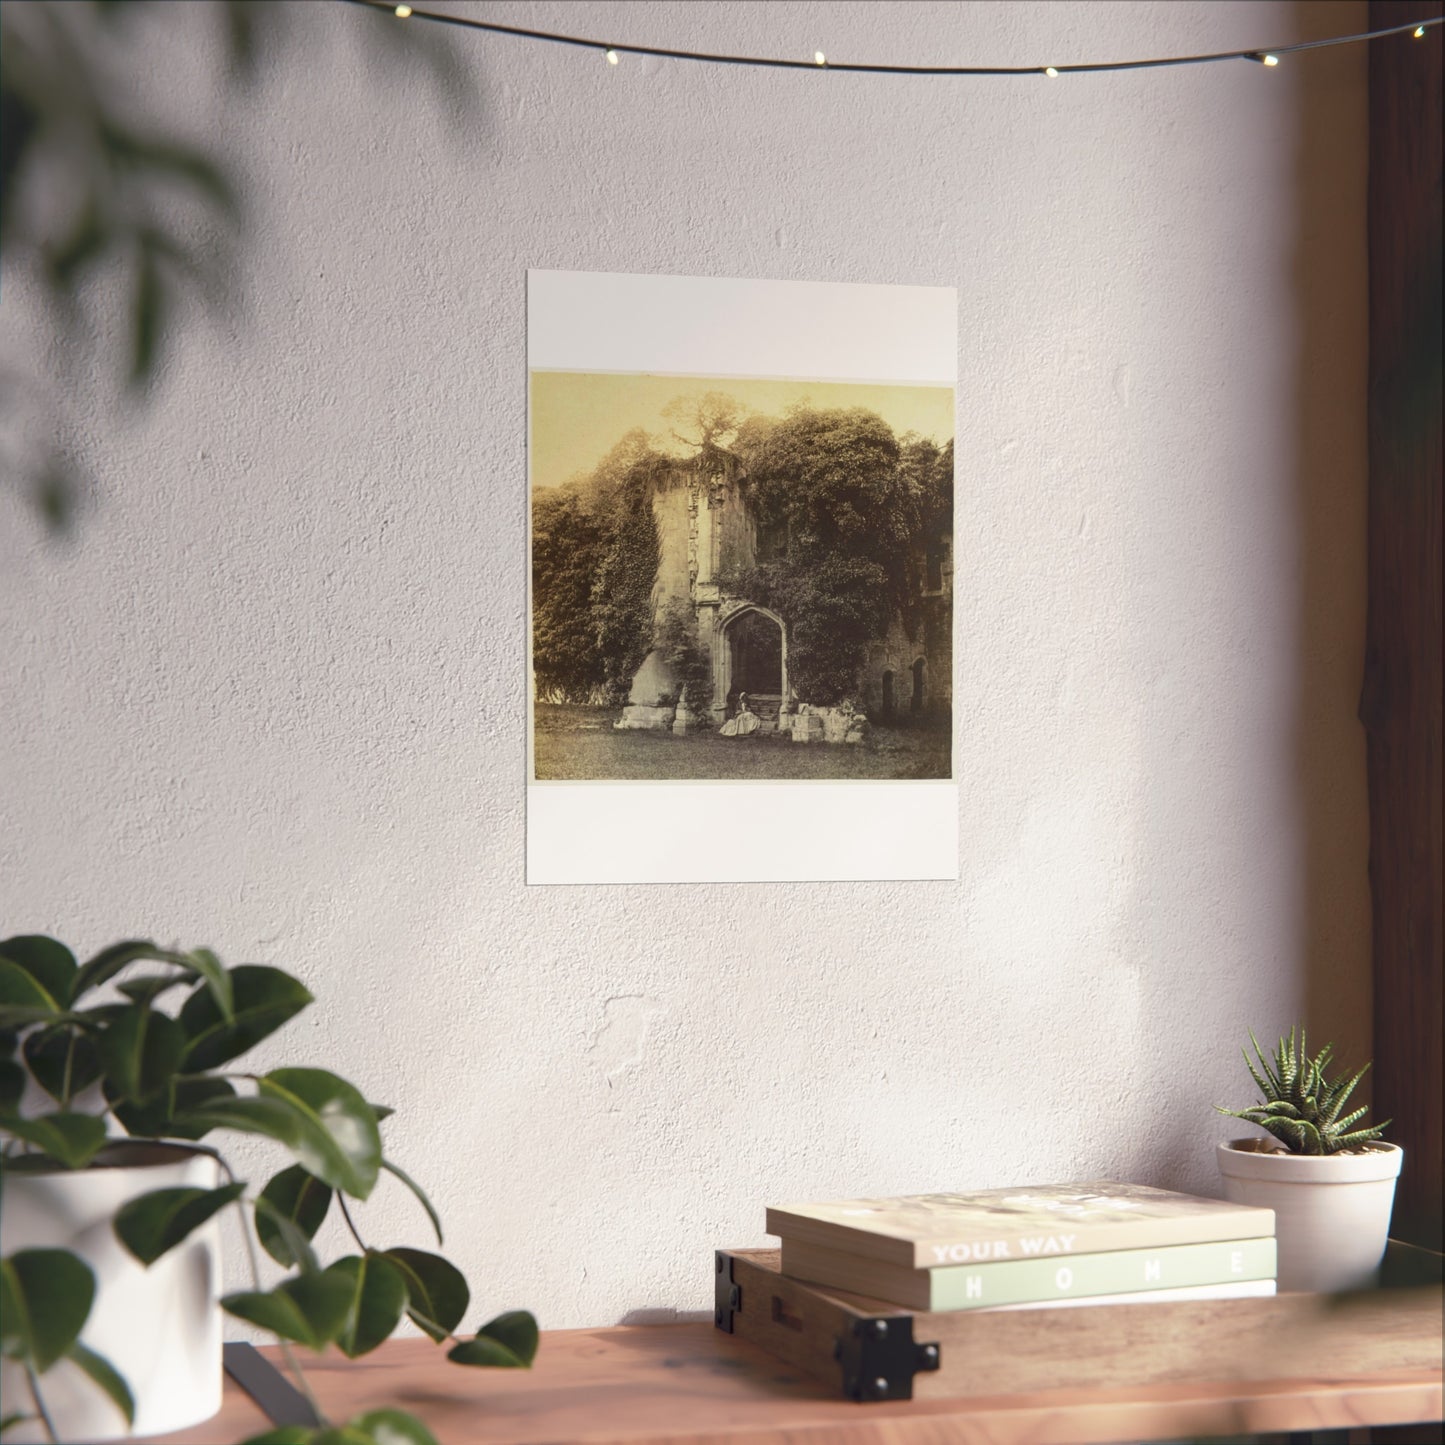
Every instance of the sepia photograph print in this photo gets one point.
(740, 578)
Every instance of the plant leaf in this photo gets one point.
(23, 999)
(437, 1293)
(392, 1427)
(104, 1374)
(46, 1296)
(310, 1310)
(264, 998)
(148, 989)
(210, 968)
(50, 964)
(187, 1094)
(296, 1243)
(141, 1051)
(340, 1143)
(378, 1296)
(46, 1053)
(507, 1342)
(12, 1086)
(151, 1224)
(298, 1197)
(109, 962)
(11, 1421)
(73, 1139)
(416, 1189)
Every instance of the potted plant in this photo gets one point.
(112, 1085)
(1331, 1185)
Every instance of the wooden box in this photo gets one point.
(871, 1350)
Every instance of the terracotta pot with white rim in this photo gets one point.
(1331, 1211)
(160, 1327)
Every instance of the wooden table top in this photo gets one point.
(692, 1384)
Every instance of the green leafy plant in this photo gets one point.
(1302, 1108)
(171, 1075)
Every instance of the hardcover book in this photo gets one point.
(925, 1231)
(1034, 1281)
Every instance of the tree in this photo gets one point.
(567, 548)
(709, 420)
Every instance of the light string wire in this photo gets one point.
(1260, 55)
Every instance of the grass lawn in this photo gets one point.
(580, 743)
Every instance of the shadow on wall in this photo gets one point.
(1322, 899)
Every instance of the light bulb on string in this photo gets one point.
(1051, 72)
(612, 57)
(1271, 60)
(1419, 32)
(819, 58)
(402, 11)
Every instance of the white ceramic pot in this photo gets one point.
(160, 1327)
(1331, 1211)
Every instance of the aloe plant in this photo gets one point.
(1302, 1108)
(169, 1074)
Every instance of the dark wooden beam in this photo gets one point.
(1400, 703)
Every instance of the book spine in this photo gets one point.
(1030, 1281)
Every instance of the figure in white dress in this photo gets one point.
(742, 722)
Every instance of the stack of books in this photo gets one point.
(1031, 1247)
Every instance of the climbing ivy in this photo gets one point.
(622, 594)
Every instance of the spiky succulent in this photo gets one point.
(1301, 1108)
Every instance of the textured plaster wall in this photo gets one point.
(270, 697)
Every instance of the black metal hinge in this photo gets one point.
(880, 1358)
(727, 1296)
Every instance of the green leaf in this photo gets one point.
(23, 999)
(296, 1243)
(382, 1111)
(263, 999)
(507, 1342)
(11, 1421)
(73, 1139)
(164, 1116)
(310, 1310)
(416, 1189)
(109, 962)
(210, 968)
(340, 1143)
(45, 1299)
(378, 1296)
(104, 1374)
(392, 1427)
(437, 1293)
(50, 964)
(64, 1061)
(151, 1224)
(141, 1051)
(296, 1196)
(12, 1086)
(148, 989)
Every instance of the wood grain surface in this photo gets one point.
(670, 1384)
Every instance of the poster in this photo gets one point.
(741, 561)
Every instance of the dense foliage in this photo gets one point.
(844, 510)
(70, 1033)
(1301, 1107)
(594, 561)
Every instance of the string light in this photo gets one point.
(1260, 56)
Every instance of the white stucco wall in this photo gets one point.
(270, 697)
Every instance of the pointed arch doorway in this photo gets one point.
(751, 657)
